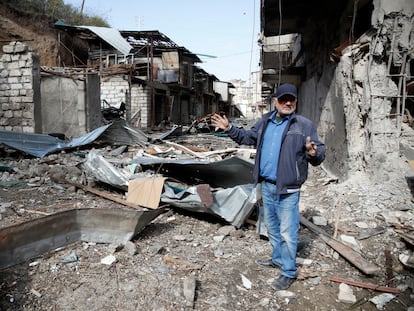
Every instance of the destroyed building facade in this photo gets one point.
(352, 61)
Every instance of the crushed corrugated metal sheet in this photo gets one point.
(21, 242)
(229, 172)
(40, 145)
(232, 204)
(110, 35)
(96, 165)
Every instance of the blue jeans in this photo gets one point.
(282, 220)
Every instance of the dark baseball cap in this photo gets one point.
(286, 89)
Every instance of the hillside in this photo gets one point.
(36, 31)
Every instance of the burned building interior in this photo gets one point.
(117, 193)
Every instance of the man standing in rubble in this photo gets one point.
(286, 143)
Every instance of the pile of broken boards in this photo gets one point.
(153, 173)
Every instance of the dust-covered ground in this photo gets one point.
(184, 260)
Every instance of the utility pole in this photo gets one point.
(81, 10)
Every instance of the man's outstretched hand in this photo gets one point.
(220, 121)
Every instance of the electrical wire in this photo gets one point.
(251, 47)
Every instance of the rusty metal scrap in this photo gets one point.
(22, 242)
(388, 268)
(366, 285)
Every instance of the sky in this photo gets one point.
(223, 33)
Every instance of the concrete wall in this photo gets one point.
(70, 102)
(20, 108)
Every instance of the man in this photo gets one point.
(286, 142)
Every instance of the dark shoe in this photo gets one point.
(283, 282)
(266, 263)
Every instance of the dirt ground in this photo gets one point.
(179, 249)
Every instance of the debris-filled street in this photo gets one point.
(271, 168)
(186, 256)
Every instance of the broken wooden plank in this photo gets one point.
(366, 285)
(99, 193)
(176, 261)
(185, 149)
(347, 252)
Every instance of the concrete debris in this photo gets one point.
(211, 184)
(108, 260)
(346, 294)
(246, 282)
(407, 260)
(285, 295)
(189, 290)
(381, 300)
(319, 220)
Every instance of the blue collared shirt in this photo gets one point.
(272, 142)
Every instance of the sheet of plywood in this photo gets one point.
(146, 191)
(411, 163)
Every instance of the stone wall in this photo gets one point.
(20, 89)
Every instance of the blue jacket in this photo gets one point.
(293, 161)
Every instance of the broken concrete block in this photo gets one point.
(346, 294)
(319, 220)
(189, 287)
(381, 300)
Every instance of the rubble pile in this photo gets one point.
(194, 254)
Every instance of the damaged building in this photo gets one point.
(159, 82)
(107, 203)
(353, 64)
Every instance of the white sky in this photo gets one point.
(227, 29)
